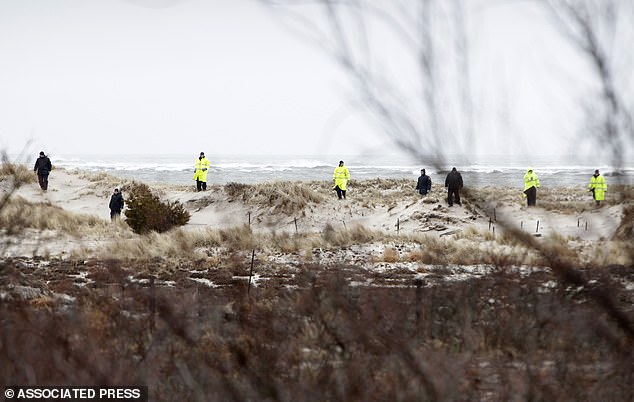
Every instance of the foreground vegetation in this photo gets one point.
(346, 313)
(310, 334)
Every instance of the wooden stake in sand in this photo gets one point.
(537, 228)
(398, 224)
(251, 271)
(249, 218)
(295, 225)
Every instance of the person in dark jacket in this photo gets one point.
(116, 204)
(43, 167)
(424, 183)
(453, 182)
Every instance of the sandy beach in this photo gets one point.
(391, 207)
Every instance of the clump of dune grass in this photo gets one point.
(556, 248)
(104, 182)
(472, 233)
(18, 173)
(625, 230)
(19, 214)
(617, 252)
(239, 238)
(291, 197)
(468, 249)
(390, 254)
(388, 191)
(174, 244)
(291, 243)
(567, 200)
(285, 242)
(286, 197)
(620, 193)
(344, 237)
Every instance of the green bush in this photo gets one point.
(146, 212)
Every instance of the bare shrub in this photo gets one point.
(320, 341)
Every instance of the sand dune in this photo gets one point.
(392, 207)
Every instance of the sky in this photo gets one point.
(229, 77)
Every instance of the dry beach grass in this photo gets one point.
(279, 292)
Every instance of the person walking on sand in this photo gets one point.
(453, 182)
(531, 184)
(598, 187)
(116, 204)
(43, 167)
(200, 172)
(341, 177)
(424, 183)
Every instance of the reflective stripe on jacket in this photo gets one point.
(598, 185)
(202, 167)
(530, 180)
(341, 177)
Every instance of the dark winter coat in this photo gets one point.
(424, 184)
(42, 166)
(453, 180)
(116, 202)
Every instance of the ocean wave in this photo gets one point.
(253, 169)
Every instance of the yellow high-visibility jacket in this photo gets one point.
(202, 167)
(598, 185)
(341, 177)
(530, 180)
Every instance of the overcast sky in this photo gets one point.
(178, 76)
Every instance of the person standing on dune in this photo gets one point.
(116, 204)
(341, 176)
(598, 187)
(43, 167)
(531, 184)
(423, 184)
(200, 172)
(453, 182)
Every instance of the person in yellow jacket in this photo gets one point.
(531, 184)
(598, 187)
(200, 172)
(341, 177)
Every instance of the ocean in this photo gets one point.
(477, 171)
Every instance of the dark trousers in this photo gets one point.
(531, 196)
(43, 180)
(453, 194)
(114, 215)
(340, 192)
(201, 185)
